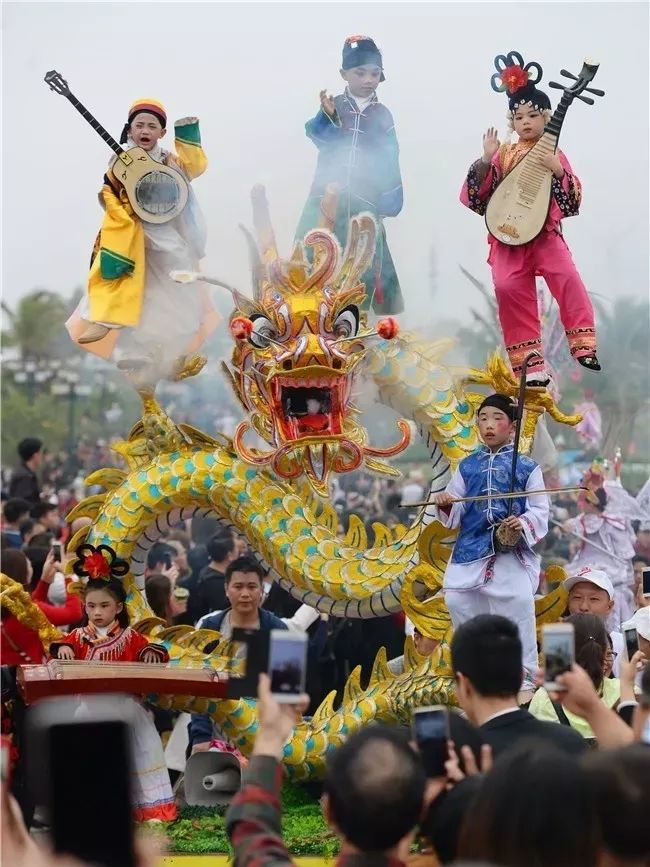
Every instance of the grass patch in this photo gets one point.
(201, 830)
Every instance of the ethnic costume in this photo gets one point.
(358, 150)
(129, 283)
(479, 579)
(514, 268)
(152, 793)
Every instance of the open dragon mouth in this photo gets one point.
(308, 407)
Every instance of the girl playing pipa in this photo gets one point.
(515, 265)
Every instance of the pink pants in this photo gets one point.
(513, 271)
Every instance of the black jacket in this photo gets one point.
(509, 728)
(24, 485)
(209, 594)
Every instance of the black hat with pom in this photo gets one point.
(519, 81)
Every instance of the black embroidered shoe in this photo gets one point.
(589, 361)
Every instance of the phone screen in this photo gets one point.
(645, 582)
(287, 664)
(431, 733)
(559, 653)
(631, 642)
(90, 792)
(57, 552)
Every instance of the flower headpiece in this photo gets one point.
(99, 563)
(519, 81)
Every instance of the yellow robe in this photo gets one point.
(117, 272)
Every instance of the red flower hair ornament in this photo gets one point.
(514, 78)
(99, 563)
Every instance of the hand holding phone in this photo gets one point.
(558, 647)
(430, 727)
(631, 642)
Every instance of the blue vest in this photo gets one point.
(486, 472)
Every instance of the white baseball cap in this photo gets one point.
(640, 622)
(593, 576)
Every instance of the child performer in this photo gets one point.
(358, 150)
(107, 637)
(129, 283)
(514, 268)
(479, 578)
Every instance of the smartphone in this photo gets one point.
(631, 642)
(430, 727)
(57, 551)
(80, 766)
(5, 761)
(645, 582)
(558, 647)
(287, 664)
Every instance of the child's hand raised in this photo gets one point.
(491, 144)
(327, 103)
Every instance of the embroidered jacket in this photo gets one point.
(487, 472)
(566, 193)
(359, 151)
(118, 645)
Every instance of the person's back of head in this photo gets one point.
(446, 815)
(534, 807)
(16, 509)
(591, 645)
(620, 780)
(375, 789)
(221, 546)
(16, 565)
(158, 590)
(28, 447)
(160, 554)
(487, 651)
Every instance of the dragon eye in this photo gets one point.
(263, 329)
(346, 323)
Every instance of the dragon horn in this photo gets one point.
(258, 270)
(263, 227)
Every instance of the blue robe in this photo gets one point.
(359, 151)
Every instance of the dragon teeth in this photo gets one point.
(311, 382)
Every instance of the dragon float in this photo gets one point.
(303, 347)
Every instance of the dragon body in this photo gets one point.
(302, 351)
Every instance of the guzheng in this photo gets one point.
(517, 211)
(72, 677)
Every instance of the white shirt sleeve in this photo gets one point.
(535, 518)
(456, 488)
(302, 619)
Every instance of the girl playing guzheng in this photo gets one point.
(514, 268)
(107, 637)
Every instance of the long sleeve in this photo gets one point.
(253, 820)
(189, 153)
(567, 191)
(535, 518)
(201, 729)
(58, 615)
(480, 183)
(323, 129)
(302, 619)
(453, 517)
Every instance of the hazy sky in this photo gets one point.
(252, 73)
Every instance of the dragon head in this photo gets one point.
(299, 343)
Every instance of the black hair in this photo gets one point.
(444, 819)
(160, 553)
(620, 780)
(14, 508)
(28, 447)
(220, 546)
(41, 540)
(25, 527)
(37, 555)
(591, 645)
(375, 783)
(14, 565)
(41, 509)
(116, 589)
(601, 496)
(487, 650)
(516, 818)
(245, 564)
